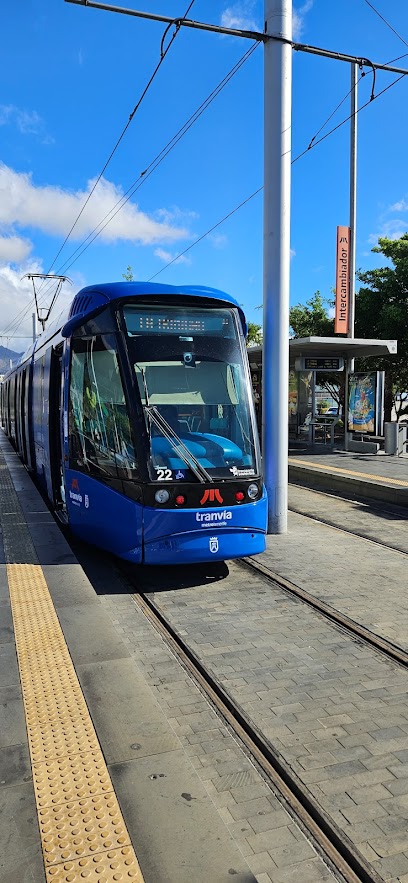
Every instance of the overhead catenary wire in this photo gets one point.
(387, 23)
(163, 53)
(255, 193)
(145, 174)
(313, 143)
(153, 165)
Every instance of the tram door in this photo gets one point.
(55, 428)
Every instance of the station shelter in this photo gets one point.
(309, 358)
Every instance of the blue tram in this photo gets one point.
(134, 412)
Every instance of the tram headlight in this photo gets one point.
(161, 496)
(252, 491)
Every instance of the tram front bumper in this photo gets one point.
(217, 535)
(196, 547)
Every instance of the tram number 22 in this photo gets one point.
(164, 474)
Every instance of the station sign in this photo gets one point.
(319, 363)
(342, 303)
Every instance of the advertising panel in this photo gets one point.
(362, 403)
(342, 281)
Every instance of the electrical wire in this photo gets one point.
(207, 233)
(385, 22)
(177, 137)
(311, 146)
(163, 53)
(331, 131)
(153, 165)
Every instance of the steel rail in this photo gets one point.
(387, 648)
(353, 533)
(329, 840)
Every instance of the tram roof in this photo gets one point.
(334, 347)
(115, 290)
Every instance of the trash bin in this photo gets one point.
(395, 438)
(391, 438)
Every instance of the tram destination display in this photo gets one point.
(185, 321)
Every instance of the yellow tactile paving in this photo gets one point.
(382, 478)
(83, 834)
(61, 828)
(107, 867)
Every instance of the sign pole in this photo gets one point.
(353, 221)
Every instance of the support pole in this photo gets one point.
(352, 224)
(277, 172)
(33, 316)
(353, 197)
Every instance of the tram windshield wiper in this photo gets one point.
(177, 444)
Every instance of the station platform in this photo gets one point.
(114, 766)
(95, 783)
(374, 476)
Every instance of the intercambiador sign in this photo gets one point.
(342, 280)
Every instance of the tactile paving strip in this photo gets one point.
(61, 828)
(115, 865)
(83, 834)
(382, 478)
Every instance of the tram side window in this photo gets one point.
(99, 427)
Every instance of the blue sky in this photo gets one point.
(70, 77)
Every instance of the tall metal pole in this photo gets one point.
(352, 224)
(353, 196)
(277, 172)
(33, 316)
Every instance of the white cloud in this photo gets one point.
(240, 16)
(28, 122)
(392, 229)
(167, 256)
(219, 240)
(401, 206)
(53, 210)
(298, 21)
(14, 249)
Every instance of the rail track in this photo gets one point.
(361, 533)
(357, 631)
(329, 840)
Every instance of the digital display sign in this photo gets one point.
(182, 322)
(323, 364)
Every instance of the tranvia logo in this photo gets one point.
(211, 495)
(74, 493)
(213, 544)
(208, 519)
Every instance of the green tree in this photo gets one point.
(254, 335)
(311, 318)
(382, 312)
(128, 276)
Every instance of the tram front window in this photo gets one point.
(194, 389)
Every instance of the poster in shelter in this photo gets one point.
(362, 403)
